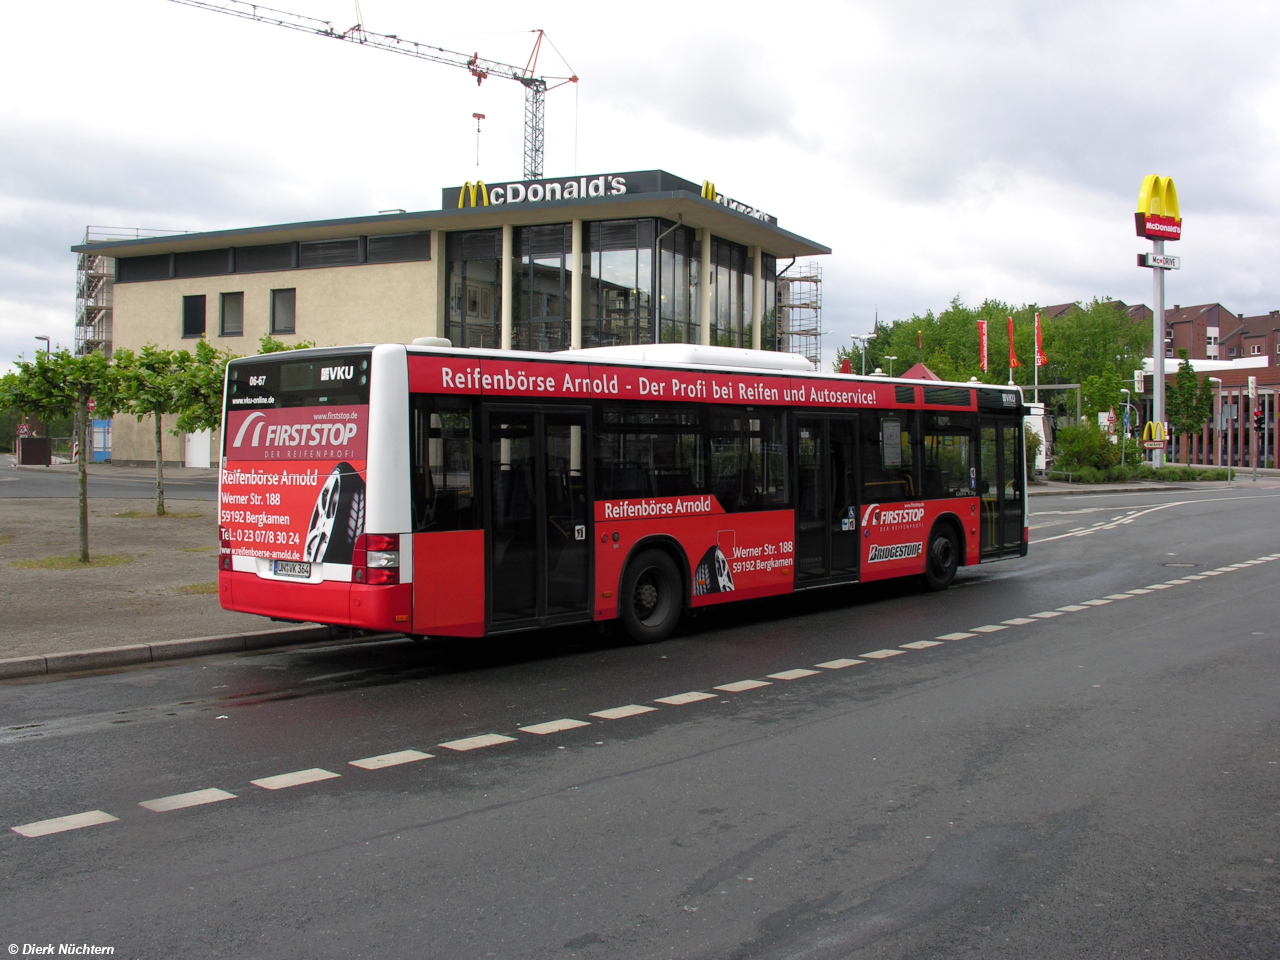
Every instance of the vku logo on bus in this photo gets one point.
(337, 373)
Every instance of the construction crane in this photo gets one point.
(535, 87)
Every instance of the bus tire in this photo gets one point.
(651, 598)
(941, 558)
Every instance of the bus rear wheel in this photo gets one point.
(651, 597)
(942, 558)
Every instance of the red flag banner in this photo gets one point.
(982, 344)
(1013, 357)
(1041, 359)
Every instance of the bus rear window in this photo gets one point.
(326, 381)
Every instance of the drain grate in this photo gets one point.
(1179, 564)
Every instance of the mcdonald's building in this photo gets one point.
(545, 265)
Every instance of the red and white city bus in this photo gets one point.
(460, 493)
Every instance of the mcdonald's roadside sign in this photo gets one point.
(1153, 436)
(1157, 217)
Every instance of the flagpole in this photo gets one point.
(1036, 365)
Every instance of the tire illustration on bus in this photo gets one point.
(337, 520)
(712, 575)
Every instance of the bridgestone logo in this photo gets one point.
(899, 551)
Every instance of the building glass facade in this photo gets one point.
(617, 283)
(540, 314)
(474, 298)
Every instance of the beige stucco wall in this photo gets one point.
(363, 303)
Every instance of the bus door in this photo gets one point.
(1001, 485)
(538, 521)
(826, 508)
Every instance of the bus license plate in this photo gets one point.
(293, 568)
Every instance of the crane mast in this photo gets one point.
(535, 87)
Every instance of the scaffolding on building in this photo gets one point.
(95, 277)
(800, 311)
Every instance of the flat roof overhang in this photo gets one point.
(696, 212)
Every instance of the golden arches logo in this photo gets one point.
(1158, 217)
(469, 192)
(709, 191)
(1153, 435)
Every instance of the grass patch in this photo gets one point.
(198, 589)
(196, 549)
(73, 563)
(151, 515)
(6, 538)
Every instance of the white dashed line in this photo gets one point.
(1096, 603)
(1138, 591)
(1176, 583)
(1194, 576)
(679, 699)
(555, 726)
(1018, 621)
(1213, 573)
(390, 759)
(956, 636)
(295, 779)
(740, 685)
(838, 664)
(1046, 614)
(1119, 596)
(1072, 608)
(921, 645)
(792, 674)
(42, 828)
(476, 743)
(619, 713)
(881, 654)
(1159, 586)
(989, 628)
(181, 801)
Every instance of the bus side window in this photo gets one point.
(948, 456)
(442, 464)
(749, 459)
(887, 456)
(649, 451)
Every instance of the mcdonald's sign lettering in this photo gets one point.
(1158, 217)
(470, 192)
(709, 191)
(1153, 436)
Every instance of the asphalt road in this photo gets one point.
(1093, 784)
(39, 482)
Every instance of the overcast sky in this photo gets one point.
(987, 149)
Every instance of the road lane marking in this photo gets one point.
(921, 645)
(1096, 603)
(1139, 591)
(989, 628)
(476, 743)
(1018, 621)
(839, 664)
(180, 801)
(1178, 582)
(42, 828)
(679, 699)
(390, 759)
(619, 713)
(1119, 596)
(1072, 608)
(1159, 586)
(1213, 573)
(1046, 614)
(295, 779)
(738, 686)
(792, 674)
(881, 654)
(1194, 576)
(955, 636)
(555, 726)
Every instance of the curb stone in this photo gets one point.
(136, 653)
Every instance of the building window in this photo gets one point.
(618, 283)
(678, 269)
(1255, 349)
(1231, 351)
(540, 318)
(231, 323)
(730, 294)
(283, 313)
(193, 316)
(474, 301)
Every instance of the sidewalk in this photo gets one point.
(110, 470)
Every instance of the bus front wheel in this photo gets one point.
(651, 597)
(942, 558)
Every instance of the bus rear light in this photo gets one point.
(376, 559)
(224, 562)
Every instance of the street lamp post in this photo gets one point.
(1124, 436)
(863, 348)
(890, 359)
(1217, 427)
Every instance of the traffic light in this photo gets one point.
(1259, 421)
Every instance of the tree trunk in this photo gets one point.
(159, 463)
(82, 418)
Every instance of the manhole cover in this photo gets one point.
(1179, 564)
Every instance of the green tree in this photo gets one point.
(150, 380)
(269, 344)
(61, 385)
(1101, 393)
(1188, 402)
(199, 390)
